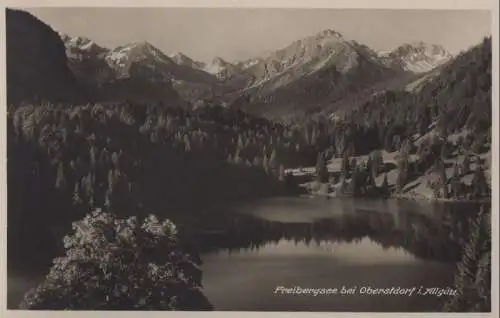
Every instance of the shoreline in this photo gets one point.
(405, 196)
(411, 197)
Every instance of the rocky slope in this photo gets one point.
(221, 68)
(184, 60)
(312, 73)
(328, 72)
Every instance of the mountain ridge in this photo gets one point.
(141, 60)
(305, 71)
(313, 72)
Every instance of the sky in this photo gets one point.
(238, 34)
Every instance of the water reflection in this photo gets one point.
(425, 231)
(330, 243)
(317, 243)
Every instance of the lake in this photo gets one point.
(318, 243)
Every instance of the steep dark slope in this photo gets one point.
(320, 90)
(36, 62)
(38, 69)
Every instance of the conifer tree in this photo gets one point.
(465, 165)
(345, 164)
(444, 150)
(443, 179)
(111, 179)
(265, 164)
(455, 182)
(77, 197)
(240, 144)
(187, 144)
(321, 169)
(473, 275)
(385, 185)
(93, 156)
(343, 186)
(257, 161)
(60, 178)
(479, 184)
(281, 173)
(402, 176)
(272, 160)
(355, 182)
(376, 162)
(237, 159)
(353, 164)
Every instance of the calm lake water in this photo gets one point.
(319, 243)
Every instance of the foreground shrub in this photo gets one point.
(113, 263)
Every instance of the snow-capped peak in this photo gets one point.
(78, 46)
(249, 63)
(143, 49)
(323, 39)
(79, 42)
(137, 51)
(418, 57)
(422, 48)
(310, 54)
(179, 57)
(216, 66)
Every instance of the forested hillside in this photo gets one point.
(436, 132)
(137, 159)
(133, 158)
(458, 98)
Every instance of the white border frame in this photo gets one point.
(492, 5)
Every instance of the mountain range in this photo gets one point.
(314, 73)
(311, 73)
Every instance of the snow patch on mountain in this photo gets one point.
(216, 66)
(305, 57)
(417, 57)
(78, 46)
(137, 51)
(150, 59)
(76, 41)
(248, 63)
